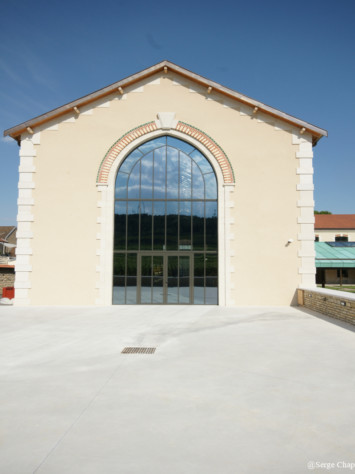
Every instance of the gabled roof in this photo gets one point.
(334, 221)
(165, 67)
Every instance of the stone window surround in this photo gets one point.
(105, 219)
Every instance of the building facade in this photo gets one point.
(335, 249)
(172, 189)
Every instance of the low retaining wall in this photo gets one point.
(337, 304)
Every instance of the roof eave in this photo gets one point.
(16, 132)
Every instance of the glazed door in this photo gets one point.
(164, 279)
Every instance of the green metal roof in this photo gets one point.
(334, 257)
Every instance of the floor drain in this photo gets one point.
(138, 350)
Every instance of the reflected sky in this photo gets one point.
(173, 171)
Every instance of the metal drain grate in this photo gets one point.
(138, 350)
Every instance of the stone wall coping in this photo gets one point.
(325, 291)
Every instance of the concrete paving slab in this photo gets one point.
(228, 390)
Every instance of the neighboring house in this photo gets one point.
(7, 256)
(176, 190)
(335, 248)
(8, 235)
(334, 227)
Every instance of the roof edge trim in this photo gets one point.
(16, 131)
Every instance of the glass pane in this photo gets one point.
(119, 289)
(172, 296)
(158, 280)
(165, 168)
(146, 269)
(119, 270)
(180, 145)
(211, 265)
(146, 280)
(172, 225)
(199, 265)
(211, 226)
(155, 143)
(146, 290)
(132, 225)
(146, 225)
(211, 290)
(121, 186)
(184, 279)
(198, 183)
(199, 290)
(211, 186)
(134, 182)
(185, 176)
(185, 226)
(198, 226)
(129, 162)
(159, 173)
(147, 177)
(202, 162)
(132, 264)
(159, 225)
(120, 225)
(131, 290)
(172, 174)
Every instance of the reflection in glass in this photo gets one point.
(158, 282)
(159, 173)
(134, 182)
(146, 280)
(129, 162)
(119, 284)
(201, 161)
(166, 201)
(132, 225)
(120, 225)
(146, 225)
(211, 225)
(147, 177)
(151, 144)
(172, 178)
(198, 225)
(185, 225)
(184, 280)
(211, 186)
(211, 290)
(173, 287)
(121, 186)
(131, 290)
(172, 225)
(185, 176)
(198, 184)
(159, 225)
(180, 145)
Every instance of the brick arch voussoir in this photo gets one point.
(189, 130)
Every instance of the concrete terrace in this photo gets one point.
(228, 390)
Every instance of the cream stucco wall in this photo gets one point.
(328, 235)
(271, 202)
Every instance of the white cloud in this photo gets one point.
(7, 139)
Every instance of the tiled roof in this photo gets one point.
(334, 221)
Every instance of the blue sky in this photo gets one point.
(298, 57)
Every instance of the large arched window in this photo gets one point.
(165, 238)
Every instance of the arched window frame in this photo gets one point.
(105, 221)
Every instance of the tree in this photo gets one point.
(322, 212)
